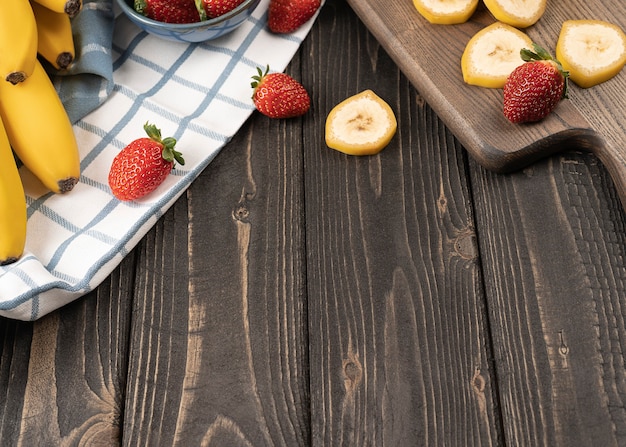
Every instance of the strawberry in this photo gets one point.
(278, 95)
(170, 11)
(143, 165)
(216, 8)
(534, 89)
(286, 16)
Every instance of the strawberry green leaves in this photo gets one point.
(168, 153)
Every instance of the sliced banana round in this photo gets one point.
(363, 124)
(446, 12)
(492, 54)
(517, 13)
(593, 51)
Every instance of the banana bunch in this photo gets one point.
(34, 125)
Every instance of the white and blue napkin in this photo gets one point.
(199, 94)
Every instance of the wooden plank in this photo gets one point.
(210, 316)
(399, 344)
(219, 340)
(64, 375)
(553, 242)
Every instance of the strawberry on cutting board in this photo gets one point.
(286, 16)
(170, 11)
(278, 95)
(535, 88)
(143, 165)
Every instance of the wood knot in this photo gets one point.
(478, 381)
(442, 204)
(353, 372)
(241, 213)
(563, 348)
(465, 245)
(420, 101)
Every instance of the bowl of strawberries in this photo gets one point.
(188, 20)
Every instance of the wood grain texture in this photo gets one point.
(399, 343)
(552, 240)
(296, 296)
(430, 56)
(64, 376)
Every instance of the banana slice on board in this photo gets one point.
(593, 51)
(492, 54)
(517, 13)
(446, 12)
(360, 125)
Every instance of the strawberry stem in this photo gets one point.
(201, 10)
(140, 6)
(259, 78)
(153, 131)
(168, 153)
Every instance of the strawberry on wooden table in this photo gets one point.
(143, 165)
(278, 95)
(534, 89)
(169, 11)
(286, 16)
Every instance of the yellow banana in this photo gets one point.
(40, 131)
(18, 40)
(55, 42)
(12, 205)
(69, 7)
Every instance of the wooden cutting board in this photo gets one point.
(430, 56)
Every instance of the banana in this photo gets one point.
(55, 42)
(40, 131)
(517, 13)
(363, 124)
(18, 40)
(492, 54)
(446, 12)
(593, 51)
(69, 7)
(12, 205)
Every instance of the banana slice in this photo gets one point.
(360, 125)
(517, 13)
(446, 12)
(492, 54)
(593, 51)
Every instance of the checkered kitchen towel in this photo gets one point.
(196, 93)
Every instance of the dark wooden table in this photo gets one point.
(297, 296)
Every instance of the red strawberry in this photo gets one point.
(534, 88)
(216, 8)
(143, 165)
(278, 95)
(286, 16)
(170, 11)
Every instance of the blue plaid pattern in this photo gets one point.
(196, 93)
